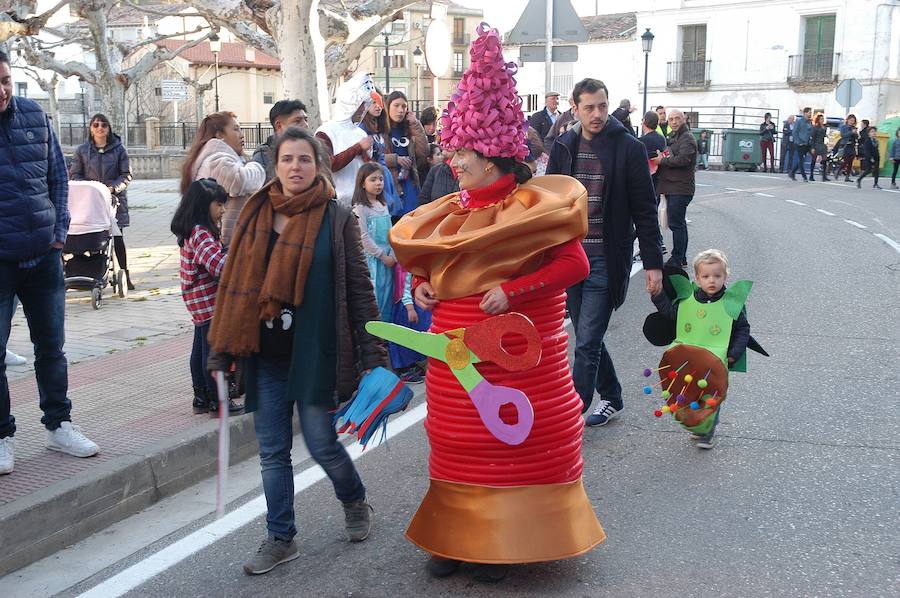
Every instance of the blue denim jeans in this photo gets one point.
(42, 293)
(590, 308)
(272, 422)
(676, 205)
(200, 376)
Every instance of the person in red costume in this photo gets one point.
(504, 243)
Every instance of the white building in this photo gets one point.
(764, 54)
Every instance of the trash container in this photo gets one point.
(740, 149)
(887, 131)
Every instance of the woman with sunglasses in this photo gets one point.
(218, 153)
(104, 159)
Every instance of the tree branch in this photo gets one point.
(344, 54)
(47, 61)
(159, 13)
(129, 48)
(151, 60)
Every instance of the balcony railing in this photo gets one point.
(461, 39)
(813, 68)
(688, 73)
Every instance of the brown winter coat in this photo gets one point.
(676, 171)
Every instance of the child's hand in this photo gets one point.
(388, 260)
(731, 361)
(411, 314)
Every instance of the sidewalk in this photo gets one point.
(130, 387)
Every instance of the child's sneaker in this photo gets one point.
(705, 442)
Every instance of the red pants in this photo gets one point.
(768, 146)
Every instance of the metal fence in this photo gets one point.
(813, 68)
(688, 73)
(716, 119)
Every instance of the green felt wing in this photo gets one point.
(735, 297)
(683, 287)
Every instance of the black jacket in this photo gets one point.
(541, 122)
(438, 183)
(109, 166)
(870, 153)
(623, 116)
(787, 133)
(766, 133)
(629, 201)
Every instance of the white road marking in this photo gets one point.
(763, 195)
(844, 185)
(702, 185)
(793, 201)
(856, 224)
(889, 241)
(891, 190)
(766, 176)
(166, 558)
(826, 212)
(733, 189)
(846, 203)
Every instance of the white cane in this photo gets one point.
(224, 442)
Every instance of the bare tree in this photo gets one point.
(111, 77)
(311, 38)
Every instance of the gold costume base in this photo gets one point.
(505, 525)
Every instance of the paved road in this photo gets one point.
(799, 497)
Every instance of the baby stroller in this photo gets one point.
(835, 160)
(87, 254)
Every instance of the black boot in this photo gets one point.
(128, 281)
(201, 400)
(234, 407)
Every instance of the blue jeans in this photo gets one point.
(590, 307)
(272, 422)
(42, 293)
(677, 210)
(704, 160)
(200, 377)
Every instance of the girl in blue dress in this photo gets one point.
(406, 150)
(371, 208)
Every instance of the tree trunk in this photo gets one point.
(112, 101)
(302, 50)
(54, 108)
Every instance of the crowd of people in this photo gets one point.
(380, 215)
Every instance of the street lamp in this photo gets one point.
(647, 44)
(418, 60)
(215, 46)
(386, 32)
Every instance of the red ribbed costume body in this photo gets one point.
(462, 449)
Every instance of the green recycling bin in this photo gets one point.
(740, 149)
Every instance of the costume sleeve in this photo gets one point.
(407, 299)
(369, 245)
(208, 251)
(665, 306)
(425, 192)
(642, 205)
(562, 266)
(124, 179)
(740, 336)
(58, 185)
(339, 161)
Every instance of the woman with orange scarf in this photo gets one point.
(503, 244)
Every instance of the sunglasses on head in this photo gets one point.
(99, 125)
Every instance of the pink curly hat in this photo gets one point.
(485, 113)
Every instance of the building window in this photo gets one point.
(397, 59)
(693, 43)
(818, 62)
(457, 64)
(268, 97)
(818, 35)
(692, 68)
(459, 31)
(22, 89)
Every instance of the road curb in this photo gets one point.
(60, 515)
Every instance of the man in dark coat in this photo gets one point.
(655, 144)
(543, 120)
(284, 114)
(612, 165)
(34, 206)
(787, 145)
(676, 182)
(623, 114)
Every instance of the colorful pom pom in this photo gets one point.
(658, 413)
(680, 399)
(666, 394)
(695, 405)
(647, 372)
(702, 383)
(673, 375)
(688, 378)
(648, 390)
(665, 409)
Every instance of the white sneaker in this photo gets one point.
(7, 454)
(14, 358)
(69, 439)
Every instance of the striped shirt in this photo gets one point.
(202, 262)
(589, 172)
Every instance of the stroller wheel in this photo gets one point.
(96, 298)
(121, 284)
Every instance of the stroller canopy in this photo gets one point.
(91, 208)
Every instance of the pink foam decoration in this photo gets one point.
(485, 113)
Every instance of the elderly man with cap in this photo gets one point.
(543, 120)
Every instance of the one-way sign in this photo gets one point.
(532, 25)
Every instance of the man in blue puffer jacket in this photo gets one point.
(34, 222)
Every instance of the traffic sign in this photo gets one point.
(532, 25)
(173, 90)
(537, 54)
(848, 93)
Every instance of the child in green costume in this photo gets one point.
(706, 313)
